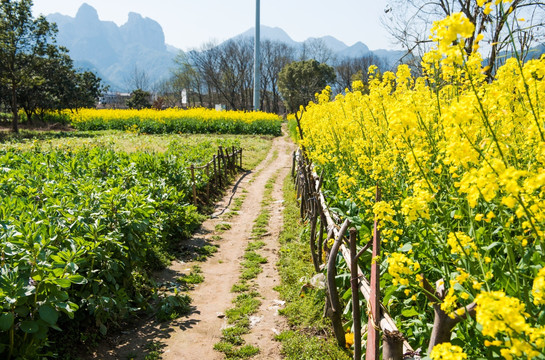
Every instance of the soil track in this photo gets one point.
(193, 336)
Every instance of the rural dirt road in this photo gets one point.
(193, 336)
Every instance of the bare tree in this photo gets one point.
(185, 76)
(206, 63)
(275, 56)
(224, 73)
(318, 50)
(350, 69)
(137, 79)
(409, 22)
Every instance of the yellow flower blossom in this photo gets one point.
(447, 351)
(461, 243)
(538, 289)
(400, 267)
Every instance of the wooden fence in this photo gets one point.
(217, 171)
(314, 208)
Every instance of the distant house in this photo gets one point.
(113, 100)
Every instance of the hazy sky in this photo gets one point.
(190, 23)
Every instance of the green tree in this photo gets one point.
(57, 85)
(23, 40)
(140, 99)
(299, 81)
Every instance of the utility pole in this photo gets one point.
(257, 55)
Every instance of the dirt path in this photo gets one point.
(193, 336)
(196, 334)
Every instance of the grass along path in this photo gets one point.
(247, 301)
(309, 335)
(241, 317)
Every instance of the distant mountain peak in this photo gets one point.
(331, 42)
(114, 51)
(145, 31)
(269, 33)
(86, 13)
(134, 16)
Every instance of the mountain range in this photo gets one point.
(115, 52)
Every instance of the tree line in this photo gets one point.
(223, 74)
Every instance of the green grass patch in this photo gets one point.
(261, 222)
(222, 227)
(207, 250)
(253, 257)
(255, 245)
(251, 272)
(231, 214)
(204, 252)
(193, 278)
(154, 350)
(297, 345)
(304, 313)
(239, 287)
(246, 304)
(237, 203)
(232, 352)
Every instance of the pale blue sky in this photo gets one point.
(190, 23)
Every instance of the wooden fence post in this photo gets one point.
(193, 185)
(293, 164)
(234, 159)
(241, 158)
(207, 182)
(392, 346)
(229, 161)
(215, 172)
(373, 339)
(313, 250)
(355, 286)
(220, 174)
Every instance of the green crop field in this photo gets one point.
(84, 220)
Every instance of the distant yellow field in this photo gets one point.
(196, 120)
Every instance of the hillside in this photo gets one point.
(114, 51)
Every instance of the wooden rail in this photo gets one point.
(314, 207)
(217, 171)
